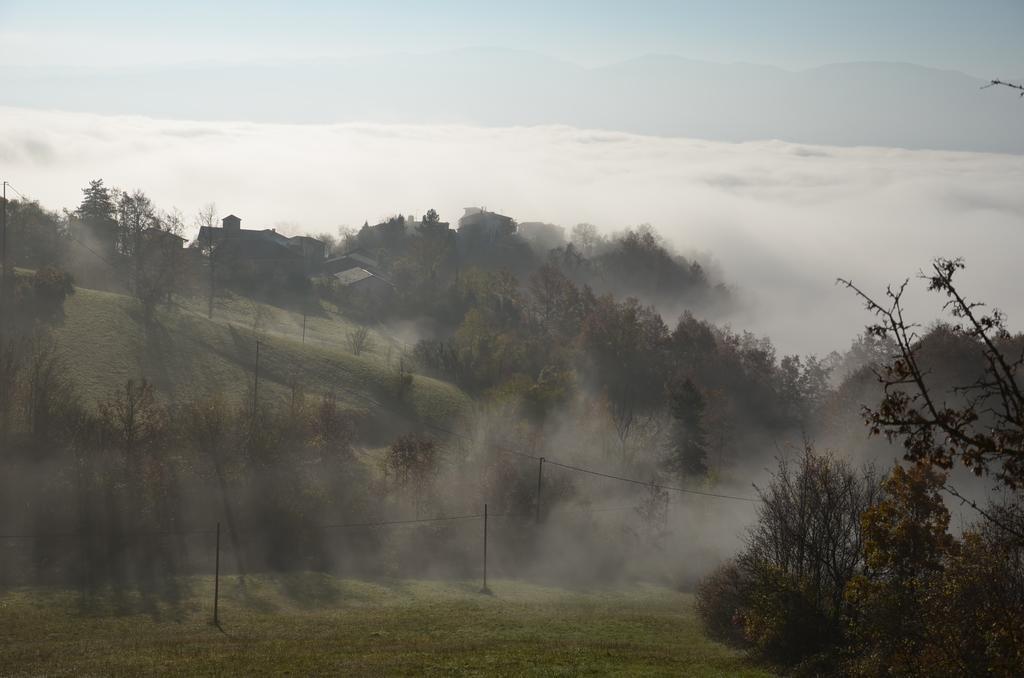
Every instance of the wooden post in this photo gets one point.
(485, 589)
(216, 579)
(540, 479)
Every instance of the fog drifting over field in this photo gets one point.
(782, 220)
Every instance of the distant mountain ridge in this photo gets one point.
(847, 104)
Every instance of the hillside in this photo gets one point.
(105, 342)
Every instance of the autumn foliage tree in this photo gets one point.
(978, 424)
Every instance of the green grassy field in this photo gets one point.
(316, 625)
(105, 342)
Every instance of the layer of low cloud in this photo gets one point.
(782, 220)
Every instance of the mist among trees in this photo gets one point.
(590, 376)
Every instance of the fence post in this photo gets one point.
(485, 589)
(216, 579)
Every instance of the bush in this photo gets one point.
(721, 597)
(748, 604)
(359, 339)
(785, 622)
(930, 604)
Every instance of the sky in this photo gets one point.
(781, 220)
(981, 37)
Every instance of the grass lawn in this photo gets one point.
(104, 342)
(315, 624)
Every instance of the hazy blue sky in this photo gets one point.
(981, 37)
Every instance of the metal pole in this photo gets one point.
(540, 478)
(216, 579)
(3, 240)
(485, 589)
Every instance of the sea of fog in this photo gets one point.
(781, 221)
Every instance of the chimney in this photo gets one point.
(231, 223)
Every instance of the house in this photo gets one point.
(479, 224)
(261, 252)
(313, 251)
(161, 249)
(165, 240)
(361, 283)
(357, 258)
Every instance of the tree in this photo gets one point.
(905, 542)
(358, 339)
(556, 302)
(97, 203)
(47, 391)
(688, 452)
(585, 239)
(979, 424)
(97, 214)
(1003, 83)
(413, 462)
(135, 214)
(786, 589)
(134, 428)
(624, 346)
(36, 236)
(206, 218)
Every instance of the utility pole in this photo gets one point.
(485, 589)
(216, 579)
(256, 383)
(3, 244)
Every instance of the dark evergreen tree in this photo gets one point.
(688, 451)
(96, 216)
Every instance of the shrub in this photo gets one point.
(784, 620)
(359, 340)
(721, 597)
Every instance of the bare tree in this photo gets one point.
(207, 218)
(12, 355)
(359, 339)
(413, 462)
(47, 392)
(1003, 83)
(984, 427)
(809, 524)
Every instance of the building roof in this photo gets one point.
(159, 232)
(354, 276)
(243, 235)
(356, 257)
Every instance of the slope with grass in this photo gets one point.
(104, 342)
(311, 624)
